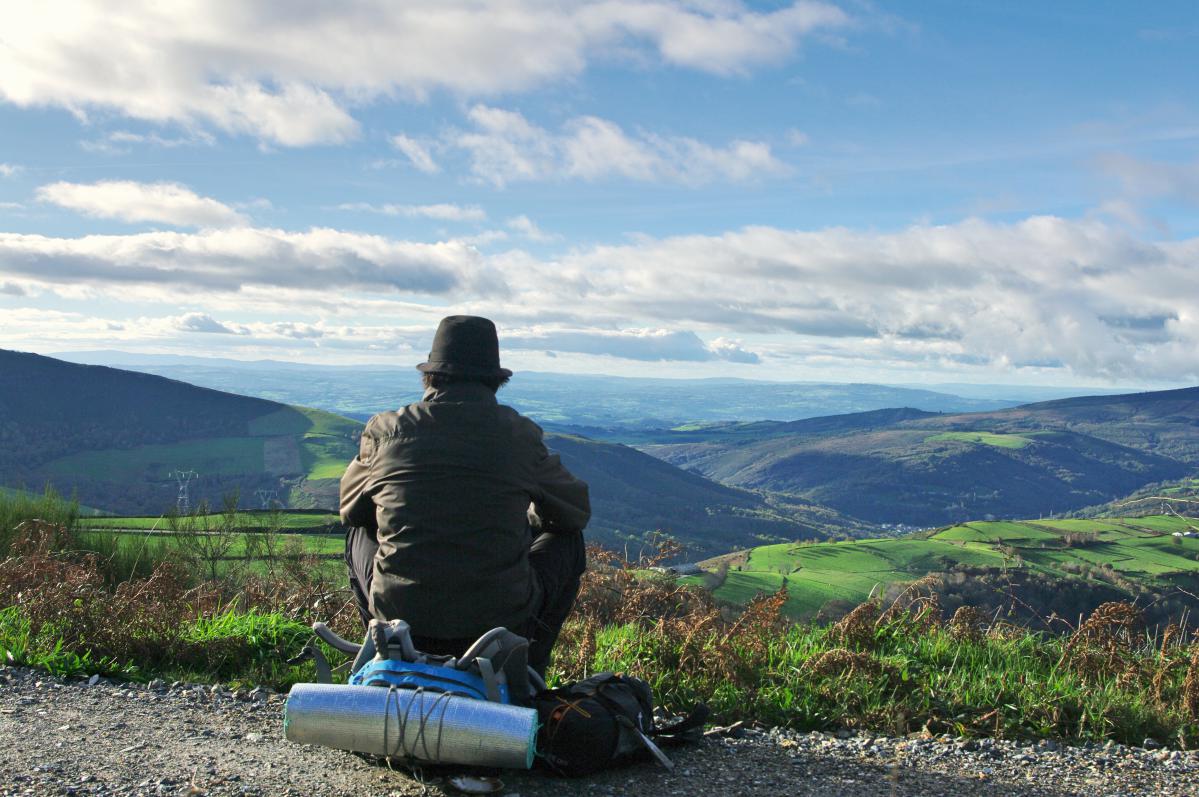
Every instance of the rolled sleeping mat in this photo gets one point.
(432, 727)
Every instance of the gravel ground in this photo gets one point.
(74, 737)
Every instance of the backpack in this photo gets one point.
(494, 668)
(604, 721)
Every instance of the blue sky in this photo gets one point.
(941, 191)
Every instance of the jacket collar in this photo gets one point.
(460, 392)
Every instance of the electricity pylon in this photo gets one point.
(183, 502)
(268, 498)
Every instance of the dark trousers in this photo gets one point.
(557, 560)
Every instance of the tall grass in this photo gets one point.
(896, 668)
(892, 668)
(115, 559)
(19, 506)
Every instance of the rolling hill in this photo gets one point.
(1063, 566)
(925, 469)
(113, 438)
(632, 493)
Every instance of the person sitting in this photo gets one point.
(459, 519)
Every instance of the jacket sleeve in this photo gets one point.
(561, 503)
(357, 485)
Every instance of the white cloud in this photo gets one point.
(733, 351)
(141, 202)
(797, 138)
(289, 73)
(526, 227)
(439, 212)
(121, 141)
(650, 345)
(233, 259)
(417, 153)
(8, 169)
(202, 322)
(505, 147)
(1081, 297)
(1039, 291)
(718, 37)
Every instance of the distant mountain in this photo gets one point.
(1019, 394)
(114, 438)
(617, 404)
(924, 469)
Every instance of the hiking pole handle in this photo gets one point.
(333, 640)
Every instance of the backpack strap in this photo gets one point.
(378, 635)
(509, 655)
(489, 679)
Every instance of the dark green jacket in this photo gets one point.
(453, 483)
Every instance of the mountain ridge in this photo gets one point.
(930, 469)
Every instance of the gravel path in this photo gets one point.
(68, 737)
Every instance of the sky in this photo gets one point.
(942, 191)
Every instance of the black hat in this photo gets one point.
(465, 345)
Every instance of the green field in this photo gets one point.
(218, 455)
(983, 438)
(1140, 549)
(294, 441)
(245, 521)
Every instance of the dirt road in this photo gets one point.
(69, 737)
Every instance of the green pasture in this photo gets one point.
(1185, 486)
(328, 444)
(243, 521)
(303, 421)
(325, 457)
(214, 456)
(851, 571)
(1163, 523)
(324, 443)
(1137, 548)
(982, 438)
(995, 532)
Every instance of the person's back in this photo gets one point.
(440, 501)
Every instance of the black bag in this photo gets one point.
(605, 721)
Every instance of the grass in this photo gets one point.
(891, 667)
(211, 456)
(246, 521)
(931, 680)
(202, 601)
(325, 457)
(17, 506)
(982, 438)
(1141, 549)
